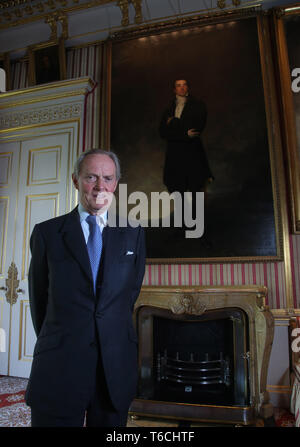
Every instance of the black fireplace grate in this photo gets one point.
(193, 372)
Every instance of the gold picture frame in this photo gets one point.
(132, 61)
(284, 20)
(47, 62)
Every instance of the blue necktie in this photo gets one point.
(94, 246)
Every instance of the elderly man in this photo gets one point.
(84, 279)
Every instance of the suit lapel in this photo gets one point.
(172, 108)
(113, 246)
(74, 240)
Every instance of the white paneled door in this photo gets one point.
(35, 185)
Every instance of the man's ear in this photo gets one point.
(75, 181)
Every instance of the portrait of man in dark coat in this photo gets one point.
(186, 165)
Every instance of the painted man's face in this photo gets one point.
(181, 87)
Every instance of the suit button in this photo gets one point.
(93, 344)
(99, 314)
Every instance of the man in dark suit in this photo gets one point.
(85, 357)
(186, 166)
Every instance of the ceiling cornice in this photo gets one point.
(21, 12)
(25, 23)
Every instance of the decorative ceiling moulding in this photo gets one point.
(222, 3)
(124, 6)
(20, 12)
(53, 19)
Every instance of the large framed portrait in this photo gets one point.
(225, 61)
(287, 25)
(47, 62)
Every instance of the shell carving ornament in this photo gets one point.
(187, 304)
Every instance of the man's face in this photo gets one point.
(181, 87)
(96, 178)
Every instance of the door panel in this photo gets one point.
(9, 167)
(35, 186)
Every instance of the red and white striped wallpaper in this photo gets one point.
(268, 274)
(90, 61)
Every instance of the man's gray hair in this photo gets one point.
(110, 154)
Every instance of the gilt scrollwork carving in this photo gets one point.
(187, 304)
(260, 301)
(123, 5)
(138, 10)
(12, 283)
(52, 20)
(221, 4)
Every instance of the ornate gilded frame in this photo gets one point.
(291, 139)
(35, 51)
(272, 121)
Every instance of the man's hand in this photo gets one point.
(169, 119)
(192, 133)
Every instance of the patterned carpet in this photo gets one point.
(13, 410)
(283, 418)
(15, 413)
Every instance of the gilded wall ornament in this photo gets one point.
(138, 10)
(187, 304)
(12, 283)
(123, 5)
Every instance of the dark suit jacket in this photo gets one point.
(186, 165)
(70, 320)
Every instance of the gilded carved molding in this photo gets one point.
(124, 6)
(184, 22)
(187, 304)
(40, 115)
(138, 10)
(63, 19)
(12, 283)
(18, 12)
(222, 3)
(53, 19)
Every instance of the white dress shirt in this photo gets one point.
(180, 103)
(101, 220)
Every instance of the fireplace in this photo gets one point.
(203, 354)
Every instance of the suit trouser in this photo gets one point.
(99, 411)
